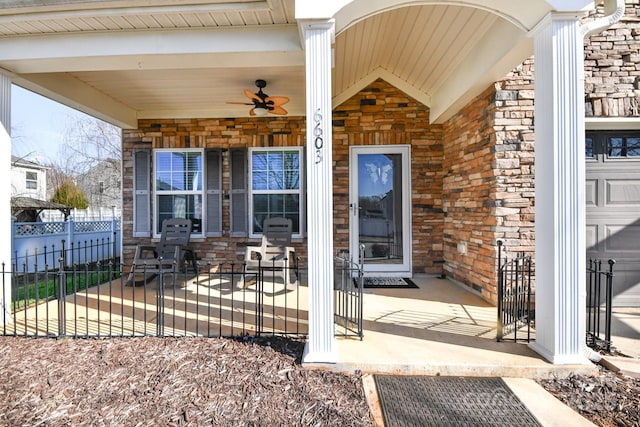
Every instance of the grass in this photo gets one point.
(45, 286)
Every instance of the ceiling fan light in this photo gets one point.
(260, 111)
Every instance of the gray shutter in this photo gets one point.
(238, 193)
(141, 193)
(214, 192)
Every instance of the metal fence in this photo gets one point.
(93, 300)
(348, 284)
(599, 302)
(514, 297)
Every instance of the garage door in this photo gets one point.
(613, 208)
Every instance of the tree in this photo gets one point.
(93, 150)
(69, 194)
(89, 142)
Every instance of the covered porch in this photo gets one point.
(438, 328)
(167, 84)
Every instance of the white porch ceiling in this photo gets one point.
(124, 60)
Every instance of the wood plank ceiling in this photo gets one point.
(417, 45)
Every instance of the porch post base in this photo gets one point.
(310, 356)
(559, 359)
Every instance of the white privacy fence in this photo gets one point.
(36, 246)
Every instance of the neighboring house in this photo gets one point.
(28, 179)
(102, 185)
(401, 132)
(28, 189)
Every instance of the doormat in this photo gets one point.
(450, 401)
(386, 282)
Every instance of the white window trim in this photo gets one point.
(28, 180)
(156, 193)
(300, 191)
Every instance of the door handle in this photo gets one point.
(354, 208)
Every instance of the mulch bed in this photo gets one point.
(171, 382)
(207, 381)
(607, 399)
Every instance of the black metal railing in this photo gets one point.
(514, 297)
(599, 301)
(348, 284)
(94, 300)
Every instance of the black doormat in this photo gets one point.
(386, 282)
(450, 401)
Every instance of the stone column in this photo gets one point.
(560, 189)
(318, 37)
(5, 196)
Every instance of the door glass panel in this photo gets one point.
(380, 207)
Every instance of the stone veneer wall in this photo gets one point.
(488, 181)
(612, 68)
(205, 133)
(380, 114)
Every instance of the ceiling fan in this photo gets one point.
(263, 103)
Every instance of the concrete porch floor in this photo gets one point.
(439, 329)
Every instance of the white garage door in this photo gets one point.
(613, 208)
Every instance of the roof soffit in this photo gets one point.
(523, 15)
(440, 55)
(150, 49)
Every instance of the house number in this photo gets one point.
(317, 133)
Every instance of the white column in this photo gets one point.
(5, 197)
(318, 37)
(560, 189)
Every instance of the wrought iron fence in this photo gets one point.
(348, 284)
(599, 300)
(94, 300)
(514, 296)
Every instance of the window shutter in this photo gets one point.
(214, 192)
(141, 193)
(238, 193)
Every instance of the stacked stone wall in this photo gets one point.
(488, 186)
(468, 184)
(221, 134)
(612, 67)
(380, 114)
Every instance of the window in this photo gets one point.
(275, 186)
(601, 145)
(623, 146)
(589, 148)
(178, 187)
(187, 184)
(32, 181)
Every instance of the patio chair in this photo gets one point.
(151, 260)
(275, 252)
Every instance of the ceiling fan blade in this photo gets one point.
(239, 102)
(278, 110)
(252, 112)
(277, 100)
(252, 95)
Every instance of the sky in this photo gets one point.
(38, 125)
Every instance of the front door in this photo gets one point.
(380, 208)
